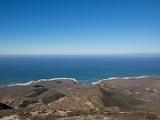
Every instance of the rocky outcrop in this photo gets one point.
(25, 103)
(11, 117)
(71, 104)
(9, 101)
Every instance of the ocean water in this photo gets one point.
(85, 69)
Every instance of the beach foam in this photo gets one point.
(31, 82)
(116, 78)
(73, 79)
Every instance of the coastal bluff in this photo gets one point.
(133, 99)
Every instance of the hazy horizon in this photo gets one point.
(85, 55)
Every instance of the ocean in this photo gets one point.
(85, 69)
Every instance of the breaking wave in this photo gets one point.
(116, 78)
(73, 79)
(31, 82)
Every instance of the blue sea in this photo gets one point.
(85, 69)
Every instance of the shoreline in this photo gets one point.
(77, 81)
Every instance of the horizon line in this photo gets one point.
(114, 54)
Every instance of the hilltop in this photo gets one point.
(68, 100)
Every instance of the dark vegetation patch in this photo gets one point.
(4, 106)
(36, 92)
(53, 97)
(58, 81)
(37, 86)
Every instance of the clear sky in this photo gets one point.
(79, 27)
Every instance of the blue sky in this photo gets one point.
(44, 27)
